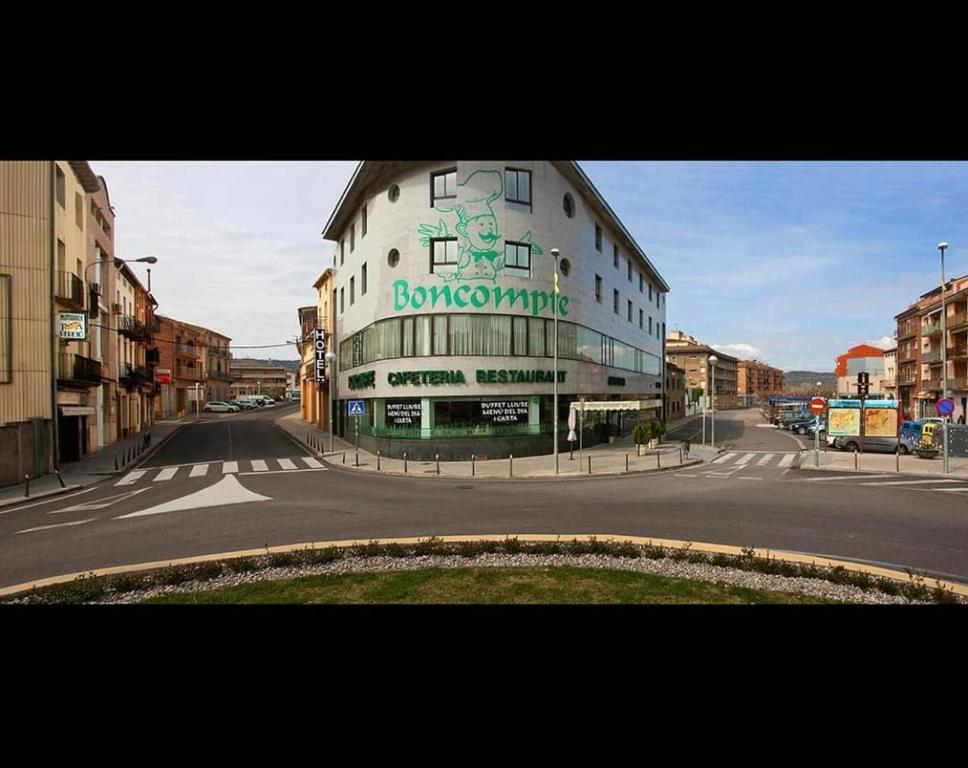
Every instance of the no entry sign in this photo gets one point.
(817, 406)
(945, 407)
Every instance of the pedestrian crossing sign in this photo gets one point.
(355, 407)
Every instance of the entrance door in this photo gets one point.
(69, 428)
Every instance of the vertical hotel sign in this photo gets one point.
(319, 344)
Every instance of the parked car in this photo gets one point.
(219, 407)
(802, 425)
(871, 444)
(791, 418)
(243, 405)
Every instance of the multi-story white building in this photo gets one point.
(445, 307)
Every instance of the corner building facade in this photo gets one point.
(444, 307)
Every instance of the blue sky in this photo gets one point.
(793, 262)
(789, 262)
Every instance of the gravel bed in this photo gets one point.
(819, 588)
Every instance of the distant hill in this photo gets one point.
(808, 380)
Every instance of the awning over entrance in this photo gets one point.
(617, 405)
(76, 410)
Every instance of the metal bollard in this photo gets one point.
(626, 461)
(658, 460)
(377, 461)
(472, 465)
(344, 457)
(357, 457)
(511, 466)
(855, 459)
(60, 479)
(27, 489)
(115, 461)
(437, 459)
(589, 464)
(897, 460)
(404, 462)
(680, 455)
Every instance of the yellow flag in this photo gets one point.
(556, 283)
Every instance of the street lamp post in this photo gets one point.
(555, 252)
(944, 359)
(330, 359)
(712, 361)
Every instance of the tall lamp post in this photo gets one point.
(330, 359)
(712, 361)
(944, 359)
(555, 252)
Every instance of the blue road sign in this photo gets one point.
(355, 407)
(945, 407)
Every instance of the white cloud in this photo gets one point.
(740, 350)
(885, 342)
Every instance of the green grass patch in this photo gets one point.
(543, 585)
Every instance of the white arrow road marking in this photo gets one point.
(166, 474)
(132, 477)
(199, 470)
(229, 466)
(311, 462)
(48, 501)
(57, 525)
(227, 491)
(286, 464)
(101, 503)
(258, 465)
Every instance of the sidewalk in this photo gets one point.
(96, 466)
(842, 461)
(606, 459)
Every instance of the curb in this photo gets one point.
(41, 495)
(795, 557)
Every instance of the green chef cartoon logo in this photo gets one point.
(480, 244)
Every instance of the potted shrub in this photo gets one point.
(612, 433)
(658, 430)
(642, 434)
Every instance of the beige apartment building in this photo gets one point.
(314, 395)
(691, 356)
(921, 335)
(254, 377)
(194, 366)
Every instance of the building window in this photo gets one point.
(640, 282)
(650, 325)
(352, 290)
(517, 186)
(79, 210)
(598, 289)
(641, 315)
(352, 237)
(341, 303)
(443, 252)
(630, 269)
(6, 335)
(443, 186)
(363, 281)
(615, 300)
(363, 224)
(342, 252)
(61, 187)
(517, 255)
(657, 297)
(568, 206)
(598, 238)
(650, 292)
(630, 310)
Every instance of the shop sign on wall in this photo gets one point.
(73, 325)
(404, 413)
(319, 344)
(504, 411)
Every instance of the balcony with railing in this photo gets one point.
(133, 375)
(958, 352)
(69, 288)
(931, 384)
(931, 329)
(187, 350)
(957, 320)
(958, 384)
(934, 356)
(220, 375)
(184, 372)
(134, 329)
(78, 370)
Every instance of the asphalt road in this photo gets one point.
(259, 488)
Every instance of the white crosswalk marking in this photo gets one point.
(258, 465)
(286, 464)
(744, 459)
(765, 460)
(912, 482)
(132, 477)
(311, 462)
(166, 474)
(787, 460)
(229, 466)
(199, 470)
(724, 458)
